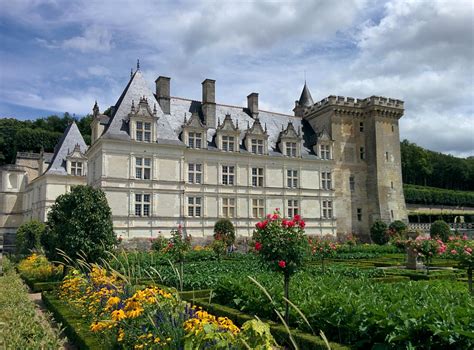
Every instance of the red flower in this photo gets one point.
(275, 216)
(297, 217)
(282, 264)
(302, 224)
(262, 224)
(290, 223)
(258, 246)
(269, 216)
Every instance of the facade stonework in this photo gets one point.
(164, 161)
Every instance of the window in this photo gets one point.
(362, 153)
(76, 168)
(257, 177)
(326, 181)
(393, 128)
(352, 183)
(257, 208)
(361, 126)
(292, 178)
(327, 209)
(195, 140)
(391, 185)
(194, 206)
(142, 168)
(228, 143)
(142, 204)
(143, 131)
(194, 173)
(391, 214)
(228, 174)
(325, 152)
(359, 214)
(257, 146)
(386, 156)
(292, 207)
(291, 149)
(228, 207)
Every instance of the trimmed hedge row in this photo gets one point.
(437, 196)
(279, 332)
(74, 326)
(37, 287)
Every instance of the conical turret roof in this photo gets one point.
(305, 99)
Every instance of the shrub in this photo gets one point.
(159, 243)
(378, 232)
(37, 267)
(398, 227)
(218, 246)
(226, 230)
(440, 229)
(80, 223)
(28, 237)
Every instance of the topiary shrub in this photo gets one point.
(378, 232)
(225, 231)
(440, 229)
(28, 237)
(398, 227)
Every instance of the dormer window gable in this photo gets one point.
(290, 141)
(194, 133)
(324, 146)
(228, 135)
(142, 121)
(76, 162)
(256, 138)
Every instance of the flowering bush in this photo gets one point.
(39, 268)
(159, 243)
(218, 245)
(178, 245)
(462, 249)
(322, 249)
(282, 245)
(426, 249)
(146, 318)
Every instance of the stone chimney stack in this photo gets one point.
(252, 104)
(209, 102)
(163, 93)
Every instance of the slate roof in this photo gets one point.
(71, 137)
(305, 99)
(169, 126)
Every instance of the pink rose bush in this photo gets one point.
(322, 249)
(461, 249)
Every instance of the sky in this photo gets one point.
(58, 56)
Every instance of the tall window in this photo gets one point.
(257, 177)
(228, 174)
(362, 153)
(292, 178)
(291, 149)
(257, 146)
(361, 126)
(143, 131)
(386, 156)
(142, 204)
(142, 168)
(194, 173)
(292, 207)
(359, 214)
(228, 207)
(325, 152)
(76, 168)
(327, 209)
(326, 183)
(194, 206)
(195, 140)
(228, 143)
(258, 208)
(352, 183)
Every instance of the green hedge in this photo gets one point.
(437, 196)
(75, 328)
(37, 287)
(279, 332)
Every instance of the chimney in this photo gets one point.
(209, 102)
(252, 104)
(163, 93)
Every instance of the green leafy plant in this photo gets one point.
(224, 229)
(28, 237)
(159, 243)
(462, 249)
(378, 232)
(178, 246)
(440, 229)
(398, 227)
(218, 246)
(322, 249)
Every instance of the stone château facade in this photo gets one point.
(164, 161)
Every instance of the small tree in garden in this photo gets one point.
(378, 232)
(398, 227)
(282, 245)
(440, 229)
(224, 230)
(462, 250)
(159, 243)
(219, 246)
(322, 249)
(178, 246)
(426, 249)
(28, 237)
(80, 224)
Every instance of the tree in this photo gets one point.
(378, 232)
(398, 227)
(28, 237)
(440, 229)
(224, 230)
(80, 224)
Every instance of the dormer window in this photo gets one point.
(142, 122)
(291, 149)
(257, 146)
(228, 143)
(76, 168)
(143, 131)
(325, 151)
(195, 140)
(227, 135)
(256, 138)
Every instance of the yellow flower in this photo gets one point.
(118, 315)
(121, 335)
(113, 301)
(134, 313)
(98, 326)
